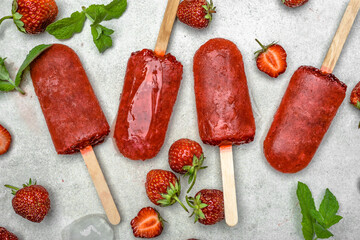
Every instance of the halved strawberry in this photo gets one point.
(147, 224)
(271, 59)
(5, 140)
(294, 3)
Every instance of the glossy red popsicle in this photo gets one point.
(149, 94)
(223, 103)
(71, 110)
(302, 119)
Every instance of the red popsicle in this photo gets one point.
(308, 107)
(223, 107)
(150, 90)
(72, 112)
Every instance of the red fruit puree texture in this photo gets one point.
(302, 119)
(149, 94)
(222, 96)
(71, 110)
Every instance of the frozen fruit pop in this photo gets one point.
(149, 93)
(222, 97)
(223, 107)
(308, 107)
(72, 112)
(302, 119)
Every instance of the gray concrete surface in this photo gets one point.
(267, 203)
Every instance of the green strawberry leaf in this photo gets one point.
(101, 37)
(115, 9)
(358, 104)
(321, 232)
(34, 53)
(306, 204)
(328, 209)
(67, 27)
(19, 24)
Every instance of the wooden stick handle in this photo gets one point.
(101, 186)
(340, 36)
(166, 27)
(228, 179)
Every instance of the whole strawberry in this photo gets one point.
(6, 235)
(271, 59)
(5, 140)
(196, 13)
(147, 224)
(33, 16)
(163, 188)
(355, 96)
(186, 157)
(208, 206)
(294, 3)
(31, 202)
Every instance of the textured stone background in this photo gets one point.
(268, 207)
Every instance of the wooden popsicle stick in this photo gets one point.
(229, 190)
(166, 27)
(101, 186)
(340, 36)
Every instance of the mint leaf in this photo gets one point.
(6, 84)
(328, 209)
(97, 13)
(34, 53)
(67, 27)
(101, 37)
(321, 232)
(317, 216)
(115, 9)
(306, 204)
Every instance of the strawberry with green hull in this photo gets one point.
(208, 206)
(294, 3)
(186, 157)
(31, 202)
(147, 224)
(355, 96)
(196, 13)
(33, 16)
(163, 188)
(5, 140)
(6, 235)
(271, 59)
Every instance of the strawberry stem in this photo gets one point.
(193, 181)
(183, 206)
(262, 46)
(13, 189)
(4, 18)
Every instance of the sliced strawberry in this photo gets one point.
(5, 140)
(147, 224)
(271, 59)
(294, 3)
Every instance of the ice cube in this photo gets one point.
(90, 227)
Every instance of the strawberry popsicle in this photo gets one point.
(222, 97)
(149, 94)
(302, 119)
(308, 107)
(71, 110)
(224, 110)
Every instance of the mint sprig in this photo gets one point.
(96, 13)
(316, 222)
(6, 83)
